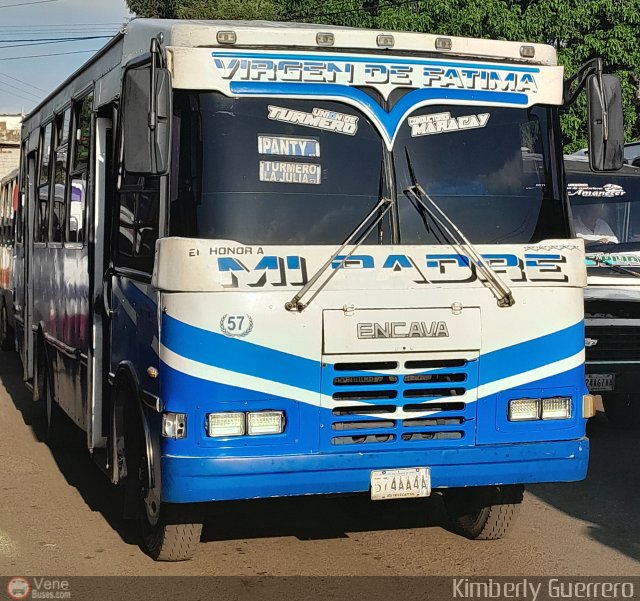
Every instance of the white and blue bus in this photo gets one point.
(257, 259)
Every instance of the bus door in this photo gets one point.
(98, 348)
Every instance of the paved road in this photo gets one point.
(58, 515)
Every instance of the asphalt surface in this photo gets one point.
(60, 516)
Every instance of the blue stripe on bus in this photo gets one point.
(217, 350)
(342, 58)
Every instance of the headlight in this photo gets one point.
(225, 424)
(265, 422)
(521, 410)
(556, 408)
(174, 425)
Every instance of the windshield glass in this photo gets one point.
(292, 171)
(487, 168)
(250, 171)
(606, 210)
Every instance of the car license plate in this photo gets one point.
(400, 483)
(601, 382)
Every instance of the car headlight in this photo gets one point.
(522, 410)
(265, 422)
(226, 424)
(556, 408)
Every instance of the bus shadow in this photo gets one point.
(608, 500)
(307, 518)
(72, 459)
(318, 517)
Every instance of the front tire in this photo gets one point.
(171, 542)
(483, 513)
(163, 537)
(622, 410)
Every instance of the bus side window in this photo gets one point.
(60, 177)
(42, 213)
(79, 170)
(138, 216)
(3, 191)
(21, 185)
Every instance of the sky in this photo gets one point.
(25, 81)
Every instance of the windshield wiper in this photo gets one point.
(417, 193)
(382, 208)
(618, 268)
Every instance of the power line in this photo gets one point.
(56, 30)
(15, 58)
(5, 84)
(31, 85)
(59, 39)
(37, 42)
(18, 95)
(58, 25)
(27, 3)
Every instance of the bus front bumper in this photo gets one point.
(199, 479)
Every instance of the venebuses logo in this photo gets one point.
(18, 587)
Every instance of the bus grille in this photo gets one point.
(383, 402)
(620, 343)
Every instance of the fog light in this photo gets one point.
(225, 424)
(265, 422)
(174, 425)
(521, 410)
(556, 408)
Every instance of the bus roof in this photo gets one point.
(262, 34)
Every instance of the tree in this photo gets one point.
(207, 9)
(579, 29)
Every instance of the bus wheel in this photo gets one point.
(622, 410)
(483, 512)
(163, 537)
(6, 331)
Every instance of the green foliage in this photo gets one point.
(207, 9)
(579, 29)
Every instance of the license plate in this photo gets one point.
(601, 382)
(401, 483)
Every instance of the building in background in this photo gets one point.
(9, 142)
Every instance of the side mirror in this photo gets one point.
(605, 123)
(146, 120)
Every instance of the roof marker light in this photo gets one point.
(385, 40)
(324, 38)
(527, 51)
(443, 43)
(226, 37)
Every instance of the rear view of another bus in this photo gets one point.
(8, 204)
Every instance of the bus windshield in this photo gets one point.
(488, 168)
(302, 171)
(606, 208)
